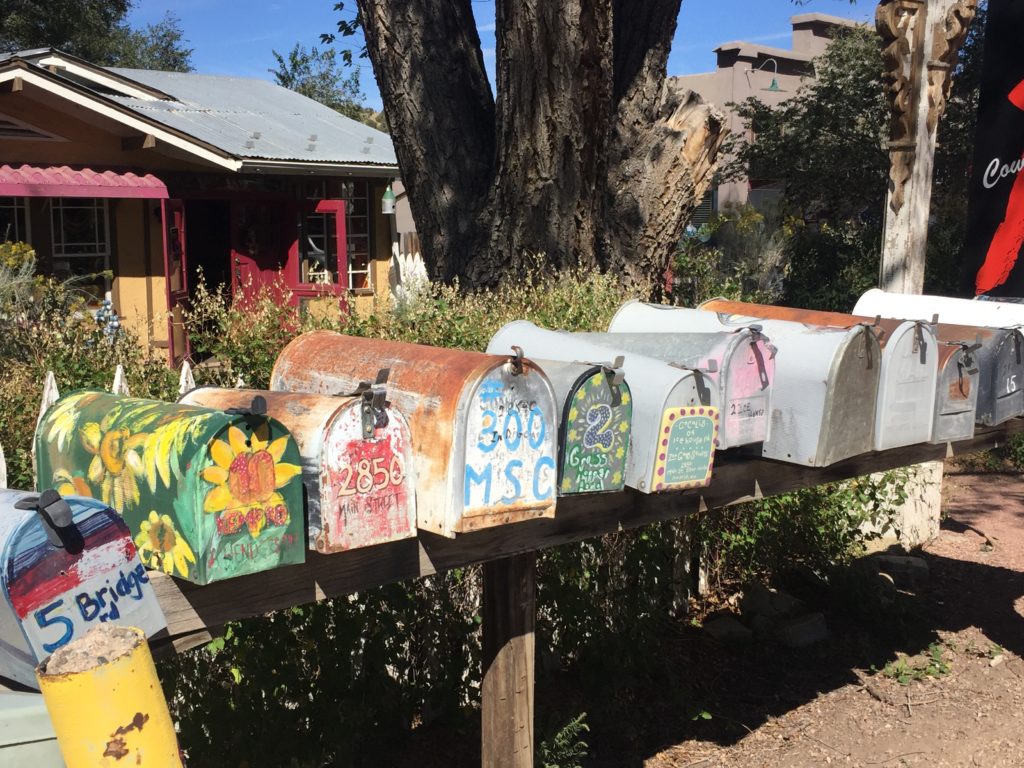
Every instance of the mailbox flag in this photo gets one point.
(995, 220)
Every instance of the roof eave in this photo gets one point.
(318, 168)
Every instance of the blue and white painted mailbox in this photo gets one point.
(66, 565)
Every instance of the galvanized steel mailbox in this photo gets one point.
(958, 365)
(675, 410)
(595, 412)
(908, 380)
(207, 494)
(825, 386)
(741, 364)
(356, 462)
(992, 323)
(66, 564)
(483, 428)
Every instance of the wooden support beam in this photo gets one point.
(131, 143)
(14, 85)
(191, 610)
(509, 613)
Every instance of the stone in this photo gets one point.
(802, 631)
(727, 629)
(906, 571)
(759, 600)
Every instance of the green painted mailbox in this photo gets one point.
(207, 494)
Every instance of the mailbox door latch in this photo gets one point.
(56, 517)
(374, 397)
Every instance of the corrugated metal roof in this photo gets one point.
(229, 112)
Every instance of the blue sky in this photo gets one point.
(236, 38)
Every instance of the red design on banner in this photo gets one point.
(1009, 235)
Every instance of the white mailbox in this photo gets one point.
(825, 387)
(675, 410)
(741, 364)
(991, 314)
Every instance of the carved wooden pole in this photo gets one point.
(920, 42)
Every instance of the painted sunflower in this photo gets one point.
(116, 462)
(161, 546)
(246, 475)
(67, 484)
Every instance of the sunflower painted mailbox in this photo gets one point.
(826, 380)
(66, 564)
(207, 494)
(674, 429)
(483, 427)
(356, 461)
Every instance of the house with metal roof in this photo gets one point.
(144, 184)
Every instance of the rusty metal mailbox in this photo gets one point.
(908, 379)
(207, 494)
(483, 427)
(990, 323)
(957, 388)
(356, 462)
(740, 363)
(66, 565)
(595, 414)
(825, 386)
(675, 410)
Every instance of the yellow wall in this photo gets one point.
(138, 285)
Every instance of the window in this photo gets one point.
(319, 246)
(13, 220)
(81, 245)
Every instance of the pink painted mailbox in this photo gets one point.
(66, 565)
(356, 461)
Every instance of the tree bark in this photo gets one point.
(587, 157)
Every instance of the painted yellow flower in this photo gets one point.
(67, 484)
(115, 464)
(246, 475)
(161, 546)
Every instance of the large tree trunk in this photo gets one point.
(586, 157)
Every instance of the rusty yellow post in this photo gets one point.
(106, 703)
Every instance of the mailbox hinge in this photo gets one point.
(868, 335)
(374, 397)
(516, 361)
(966, 363)
(56, 518)
(919, 343)
(757, 334)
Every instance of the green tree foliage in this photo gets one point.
(321, 76)
(94, 30)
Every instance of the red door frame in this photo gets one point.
(311, 290)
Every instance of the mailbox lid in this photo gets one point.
(207, 495)
(956, 394)
(740, 362)
(658, 390)
(54, 595)
(358, 490)
(992, 314)
(595, 414)
(441, 392)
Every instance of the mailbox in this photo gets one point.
(356, 462)
(675, 410)
(741, 364)
(825, 386)
(207, 494)
(483, 427)
(1001, 393)
(987, 313)
(957, 389)
(908, 379)
(68, 565)
(595, 411)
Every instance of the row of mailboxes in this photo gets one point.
(825, 382)
(67, 565)
(992, 324)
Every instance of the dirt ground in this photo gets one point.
(957, 647)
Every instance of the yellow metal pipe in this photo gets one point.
(106, 704)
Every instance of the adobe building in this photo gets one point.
(773, 75)
(144, 184)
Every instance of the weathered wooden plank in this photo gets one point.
(509, 614)
(191, 608)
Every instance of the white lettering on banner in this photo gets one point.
(996, 171)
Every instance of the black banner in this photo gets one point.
(993, 263)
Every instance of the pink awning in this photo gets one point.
(62, 181)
